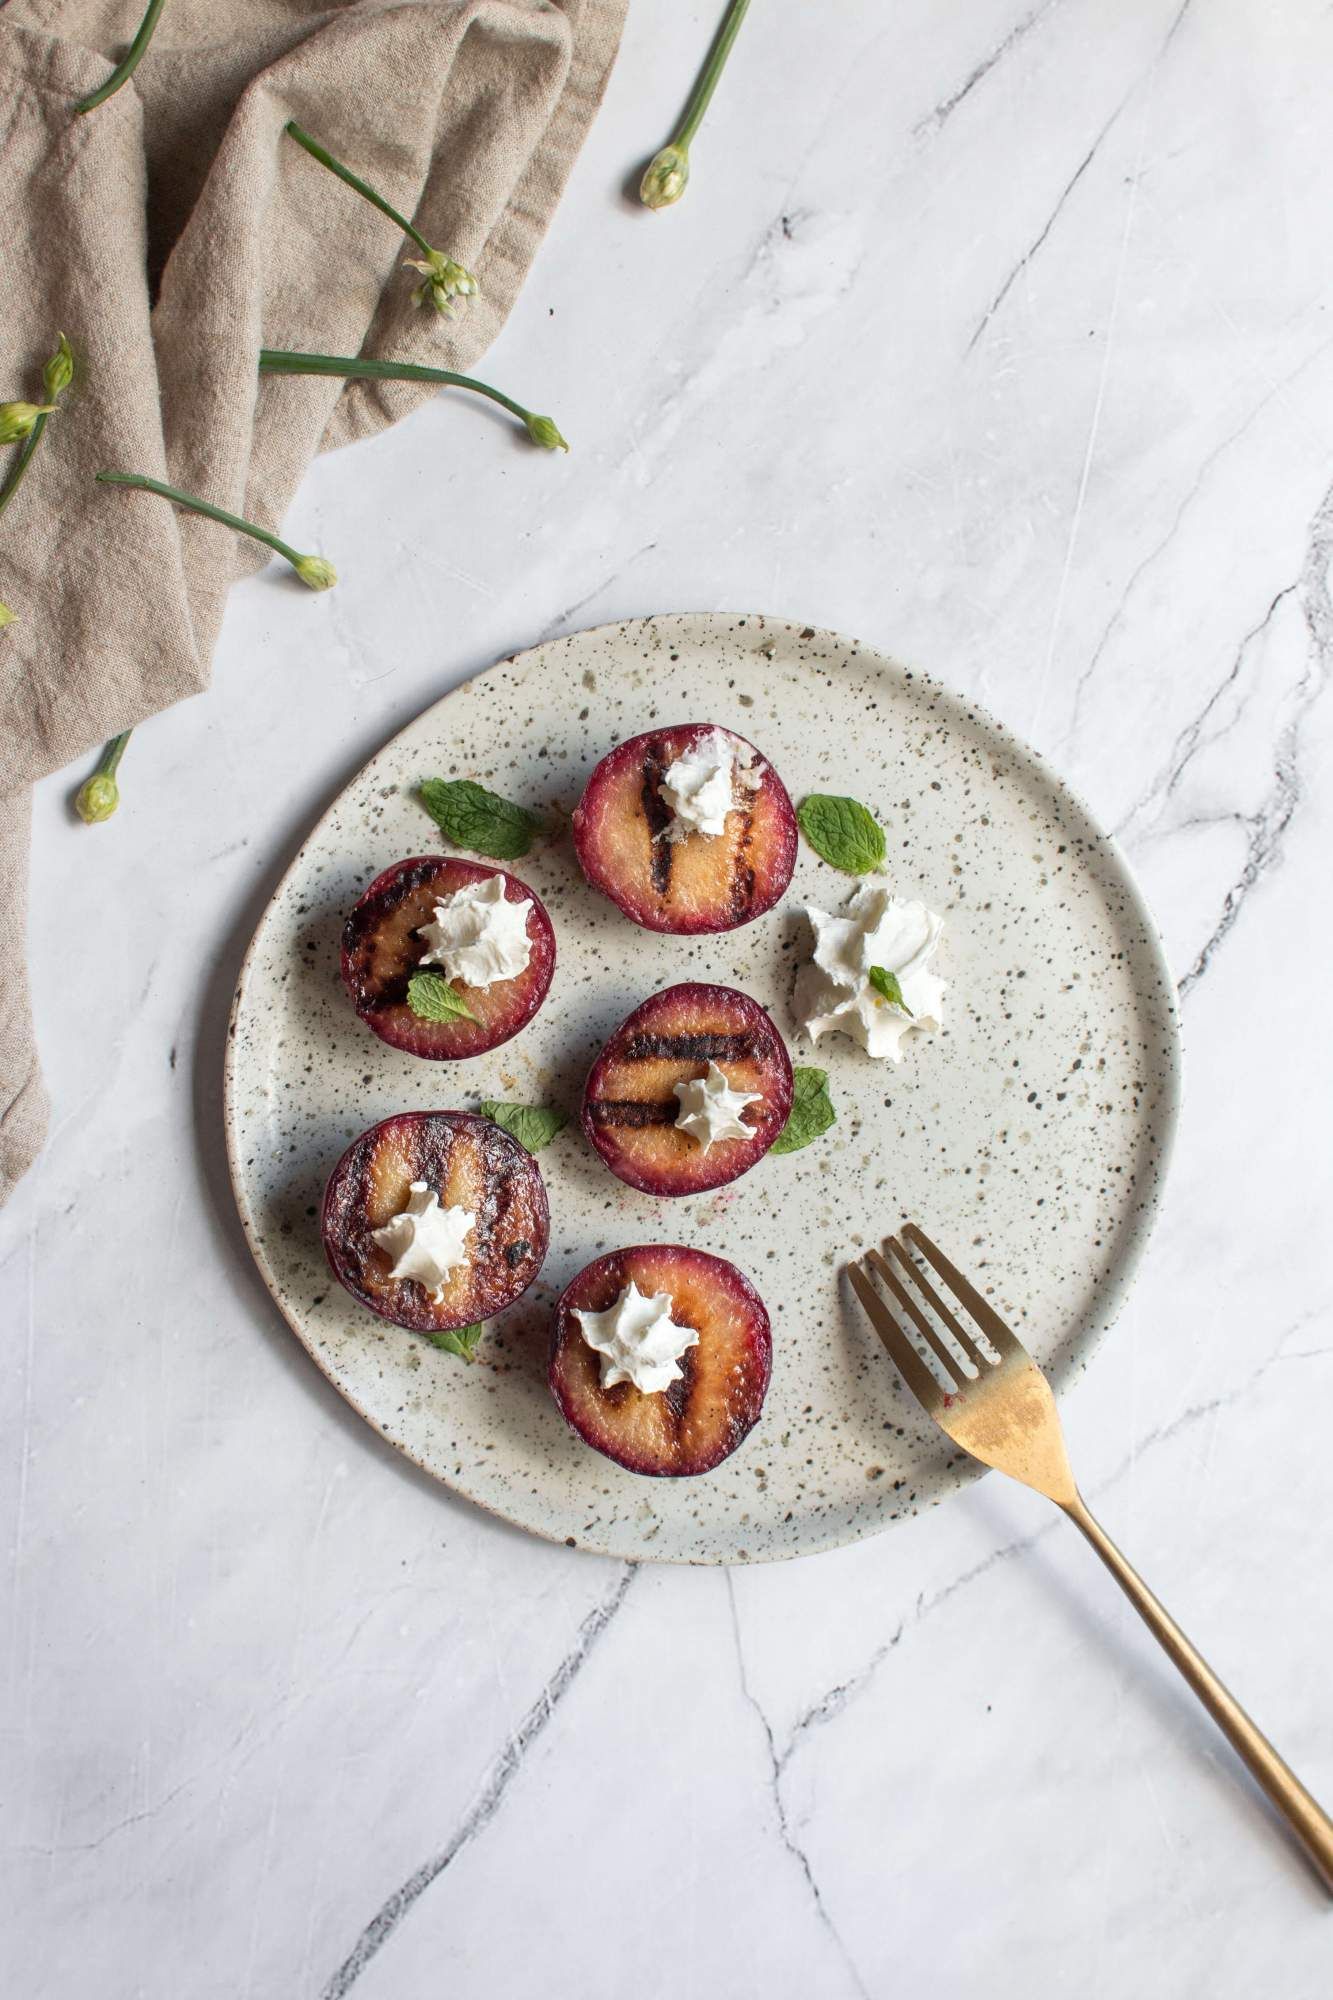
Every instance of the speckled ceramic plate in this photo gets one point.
(1030, 1137)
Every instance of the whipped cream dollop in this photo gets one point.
(834, 990)
(638, 1340)
(711, 1110)
(426, 1241)
(478, 935)
(702, 785)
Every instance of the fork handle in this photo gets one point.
(1306, 1817)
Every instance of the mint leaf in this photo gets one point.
(811, 1111)
(842, 833)
(533, 1125)
(886, 985)
(460, 1340)
(483, 822)
(432, 998)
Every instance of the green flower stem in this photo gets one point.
(278, 361)
(702, 95)
(18, 465)
(109, 762)
(126, 68)
(56, 378)
(205, 507)
(326, 159)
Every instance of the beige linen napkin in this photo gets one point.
(171, 234)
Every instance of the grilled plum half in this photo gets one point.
(695, 1423)
(629, 1103)
(469, 1163)
(703, 882)
(381, 950)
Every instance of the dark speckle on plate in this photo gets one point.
(1060, 1008)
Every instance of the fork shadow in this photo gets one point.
(1139, 1661)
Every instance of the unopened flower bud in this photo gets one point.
(665, 178)
(97, 798)
(313, 570)
(59, 370)
(542, 431)
(17, 419)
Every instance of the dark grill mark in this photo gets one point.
(689, 1048)
(677, 1394)
(492, 1211)
(742, 873)
(353, 1204)
(368, 916)
(388, 993)
(431, 1151)
(500, 1210)
(363, 935)
(632, 1111)
(427, 1160)
(658, 816)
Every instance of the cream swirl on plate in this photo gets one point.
(701, 785)
(478, 935)
(638, 1340)
(834, 992)
(425, 1241)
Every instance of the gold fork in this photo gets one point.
(1005, 1415)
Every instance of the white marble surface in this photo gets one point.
(998, 335)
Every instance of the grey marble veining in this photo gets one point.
(999, 338)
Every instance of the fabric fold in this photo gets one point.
(466, 114)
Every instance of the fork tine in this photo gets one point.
(1001, 1339)
(948, 1361)
(966, 1340)
(898, 1347)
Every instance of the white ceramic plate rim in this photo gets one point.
(1119, 1273)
